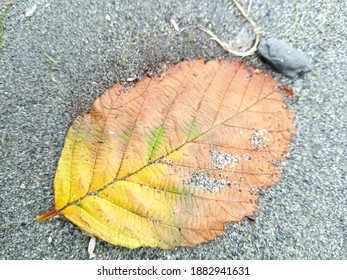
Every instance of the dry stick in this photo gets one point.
(256, 31)
(295, 24)
(249, 7)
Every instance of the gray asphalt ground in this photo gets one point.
(302, 217)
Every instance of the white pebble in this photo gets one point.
(91, 247)
(29, 12)
(49, 239)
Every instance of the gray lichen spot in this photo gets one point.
(221, 160)
(258, 138)
(204, 182)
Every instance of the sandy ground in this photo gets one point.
(97, 43)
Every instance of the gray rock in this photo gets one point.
(284, 58)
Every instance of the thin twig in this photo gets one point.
(249, 7)
(295, 24)
(226, 46)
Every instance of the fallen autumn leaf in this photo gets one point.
(168, 162)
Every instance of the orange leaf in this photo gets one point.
(168, 162)
(289, 91)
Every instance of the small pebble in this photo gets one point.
(169, 18)
(108, 17)
(29, 12)
(49, 239)
(91, 247)
(284, 58)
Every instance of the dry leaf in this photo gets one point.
(289, 91)
(168, 162)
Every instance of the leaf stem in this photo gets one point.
(47, 215)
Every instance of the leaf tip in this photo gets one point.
(47, 215)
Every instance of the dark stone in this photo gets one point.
(284, 58)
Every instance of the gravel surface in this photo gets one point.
(58, 56)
